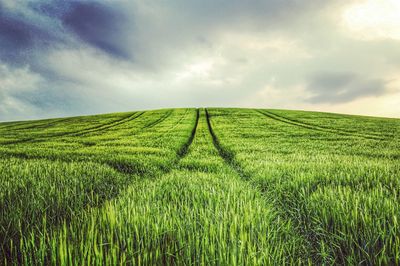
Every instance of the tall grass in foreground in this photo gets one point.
(183, 218)
(33, 192)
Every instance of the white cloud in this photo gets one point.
(18, 79)
(13, 83)
(373, 19)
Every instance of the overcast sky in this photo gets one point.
(60, 58)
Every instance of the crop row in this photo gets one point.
(376, 126)
(80, 132)
(320, 128)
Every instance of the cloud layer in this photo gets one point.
(79, 57)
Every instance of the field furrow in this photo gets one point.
(78, 132)
(227, 155)
(318, 128)
(377, 126)
(44, 124)
(160, 120)
(104, 127)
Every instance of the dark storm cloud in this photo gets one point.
(164, 26)
(343, 87)
(37, 26)
(50, 8)
(15, 33)
(97, 24)
(18, 38)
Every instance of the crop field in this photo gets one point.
(215, 186)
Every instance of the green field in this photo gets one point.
(201, 187)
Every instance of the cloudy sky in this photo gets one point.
(60, 58)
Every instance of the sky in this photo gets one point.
(65, 58)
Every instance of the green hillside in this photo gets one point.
(201, 186)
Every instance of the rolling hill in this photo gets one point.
(215, 186)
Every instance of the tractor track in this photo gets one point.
(80, 132)
(7, 125)
(229, 158)
(371, 134)
(183, 116)
(43, 125)
(317, 128)
(185, 148)
(125, 168)
(152, 123)
(227, 155)
(108, 126)
(180, 154)
(160, 120)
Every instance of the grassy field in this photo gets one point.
(201, 186)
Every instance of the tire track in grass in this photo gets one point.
(185, 148)
(121, 167)
(20, 125)
(7, 125)
(227, 155)
(180, 154)
(151, 123)
(108, 126)
(383, 136)
(160, 120)
(303, 230)
(43, 125)
(125, 168)
(368, 134)
(81, 132)
(183, 116)
(318, 128)
(316, 233)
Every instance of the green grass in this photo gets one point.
(204, 187)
